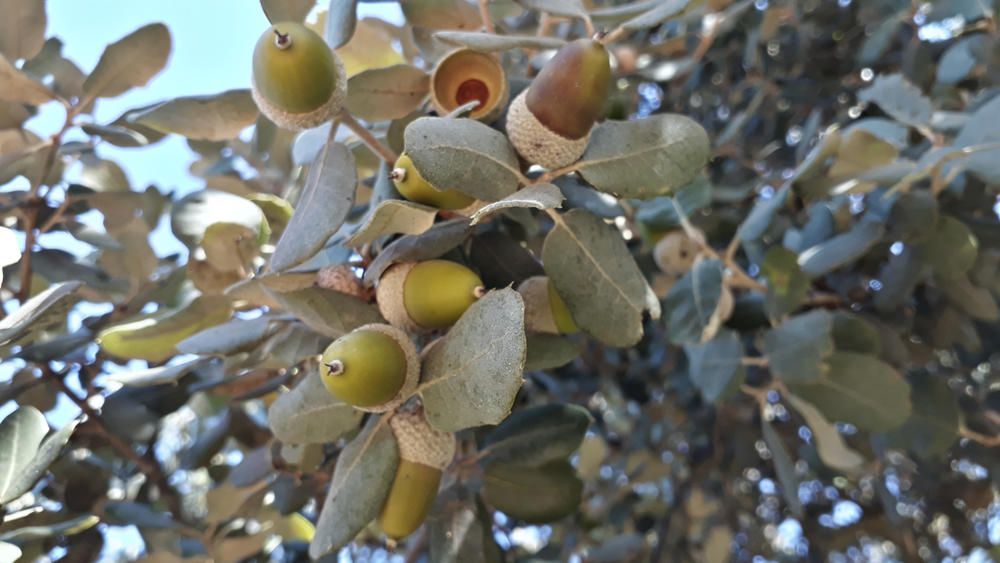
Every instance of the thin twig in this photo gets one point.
(979, 438)
(484, 12)
(384, 152)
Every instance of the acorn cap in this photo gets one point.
(675, 253)
(389, 296)
(412, 367)
(464, 75)
(537, 309)
(419, 442)
(340, 277)
(536, 143)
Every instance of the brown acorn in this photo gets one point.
(549, 123)
(465, 75)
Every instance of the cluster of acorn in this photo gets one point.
(298, 83)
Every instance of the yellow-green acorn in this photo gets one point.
(298, 81)
(424, 453)
(414, 187)
(466, 75)
(675, 253)
(549, 123)
(374, 367)
(544, 309)
(423, 296)
(155, 338)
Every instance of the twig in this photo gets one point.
(589, 24)
(739, 278)
(979, 438)
(56, 217)
(484, 12)
(384, 152)
(29, 243)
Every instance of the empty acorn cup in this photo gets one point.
(465, 75)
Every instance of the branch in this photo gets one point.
(484, 13)
(384, 152)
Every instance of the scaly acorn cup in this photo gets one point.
(298, 81)
(544, 310)
(373, 368)
(423, 296)
(675, 253)
(414, 187)
(466, 75)
(549, 123)
(424, 453)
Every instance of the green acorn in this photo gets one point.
(298, 81)
(423, 296)
(374, 367)
(544, 309)
(414, 187)
(549, 123)
(424, 453)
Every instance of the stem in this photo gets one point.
(384, 152)
(613, 36)
(589, 24)
(484, 13)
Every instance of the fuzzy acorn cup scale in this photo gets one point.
(388, 368)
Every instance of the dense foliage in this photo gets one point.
(780, 248)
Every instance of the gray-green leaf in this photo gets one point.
(899, 98)
(157, 375)
(129, 62)
(692, 301)
(325, 202)
(218, 117)
(536, 196)
(471, 377)
(41, 313)
(565, 8)
(596, 276)
(830, 445)
(430, 244)
(463, 155)
(716, 366)
(20, 435)
(386, 93)
(22, 29)
(538, 435)
(842, 249)
(787, 286)
(656, 16)
(488, 42)
(391, 217)
(36, 465)
(547, 351)
(309, 414)
(361, 480)
(784, 466)
(797, 347)
(287, 10)
(326, 311)
(341, 20)
(15, 86)
(645, 158)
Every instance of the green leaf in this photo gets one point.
(193, 214)
(933, 426)
(489, 43)
(860, 390)
(309, 414)
(952, 249)
(980, 130)
(21, 434)
(859, 151)
(321, 209)
(16, 86)
(287, 10)
(961, 58)
(797, 347)
(116, 135)
(830, 445)
(361, 481)
(852, 333)
(692, 302)
(43, 312)
(157, 375)
(645, 158)
(463, 155)
(977, 302)
(842, 249)
(784, 466)
(787, 286)
(535, 495)
(471, 377)
(538, 435)
(22, 28)
(430, 244)
(596, 276)
(661, 13)
(548, 351)
(29, 473)
(899, 98)
(617, 13)
(219, 117)
(661, 212)
(536, 196)
(716, 366)
(565, 8)
(391, 217)
(130, 62)
(392, 92)
(328, 312)
(341, 21)
(760, 217)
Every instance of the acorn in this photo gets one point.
(549, 123)
(414, 187)
(424, 453)
(675, 253)
(373, 368)
(544, 309)
(298, 81)
(423, 296)
(466, 75)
